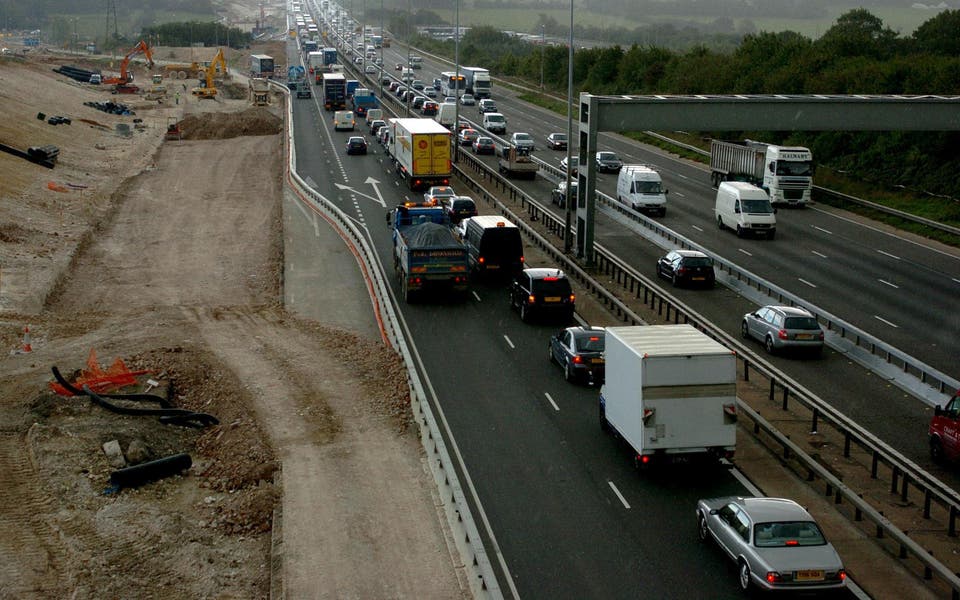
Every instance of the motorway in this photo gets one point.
(571, 517)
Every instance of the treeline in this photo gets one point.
(35, 14)
(190, 33)
(857, 55)
(792, 9)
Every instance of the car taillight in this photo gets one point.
(681, 270)
(644, 459)
(531, 299)
(573, 298)
(774, 577)
(481, 260)
(578, 360)
(821, 336)
(782, 334)
(521, 260)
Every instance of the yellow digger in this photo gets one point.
(208, 90)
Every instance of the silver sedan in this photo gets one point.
(775, 542)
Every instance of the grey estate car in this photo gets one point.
(783, 327)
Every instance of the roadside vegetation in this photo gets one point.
(859, 54)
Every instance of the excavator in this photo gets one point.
(208, 90)
(122, 82)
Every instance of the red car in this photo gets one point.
(945, 431)
(429, 109)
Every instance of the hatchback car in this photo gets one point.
(687, 267)
(394, 85)
(436, 83)
(783, 327)
(573, 159)
(468, 100)
(484, 145)
(486, 105)
(580, 351)
(459, 208)
(430, 92)
(437, 194)
(608, 162)
(417, 85)
(557, 141)
(542, 292)
(375, 125)
(522, 140)
(776, 544)
(418, 102)
(467, 136)
(429, 109)
(356, 145)
(370, 69)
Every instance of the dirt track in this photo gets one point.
(176, 270)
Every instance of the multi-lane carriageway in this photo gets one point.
(545, 476)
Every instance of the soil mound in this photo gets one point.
(221, 126)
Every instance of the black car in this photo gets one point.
(608, 162)
(356, 145)
(460, 207)
(557, 141)
(579, 350)
(687, 267)
(542, 292)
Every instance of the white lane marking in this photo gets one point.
(887, 233)
(882, 320)
(475, 295)
(754, 490)
(893, 256)
(509, 343)
(619, 495)
(682, 176)
(815, 253)
(679, 195)
(744, 251)
(957, 280)
(552, 403)
(806, 282)
(893, 285)
(700, 229)
(827, 231)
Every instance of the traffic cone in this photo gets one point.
(26, 339)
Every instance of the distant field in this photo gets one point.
(903, 20)
(129, 23)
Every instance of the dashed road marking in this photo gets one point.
(552, 403)
(509, 343)
(619, 495)
(882, 320)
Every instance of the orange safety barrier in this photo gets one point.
(117, 376)
(56, 187)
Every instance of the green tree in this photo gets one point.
(940, 35)
(859, 33)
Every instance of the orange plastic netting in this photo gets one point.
(115, 377)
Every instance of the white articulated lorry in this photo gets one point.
(670, 393)
(785, 173)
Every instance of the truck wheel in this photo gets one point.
(936, 451)
(568, 372)
(739, 232)
(674, 280)
(744, 330)
(720, 223)
(604, 424)
(550, 354)
(524, 312)
(772, 235)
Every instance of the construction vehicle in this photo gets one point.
(208, 90)
(125, 76)
(193, 70)
(173, 130)
(259, 91)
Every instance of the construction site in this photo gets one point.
(144, 258)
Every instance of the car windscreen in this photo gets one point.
(589, 342)
(697, 261)
(757, 207)
(788, 534)
(801, 323)
(551, 286)
(501, 244)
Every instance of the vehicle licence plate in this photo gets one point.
(698, 278)
(596, 361)
(552, 299)
(804, 336)
(810, 575)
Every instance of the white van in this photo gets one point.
(745, 208)
(495, 122)
(373, 114)
(446, 114)
(343, 120)
(641, 188)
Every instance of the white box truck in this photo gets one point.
(670, 393)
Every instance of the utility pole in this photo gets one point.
(569, 198)
(543, 42)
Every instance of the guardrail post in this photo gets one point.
(903, 551)
(894, 479)
(816, 417)
(879, 528)
(786, 394)
(771, 389)
(746, 370)
(873, 466)
(846, 444)
(903, 488)
(952, 527)
(927, 497)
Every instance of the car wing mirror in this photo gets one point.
(938, 410)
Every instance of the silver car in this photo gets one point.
(783, 327)
(775, 542)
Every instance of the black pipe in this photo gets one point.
(154, 470)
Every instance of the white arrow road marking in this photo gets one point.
(374, 183)
(340, 186)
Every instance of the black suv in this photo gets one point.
(542, 292)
